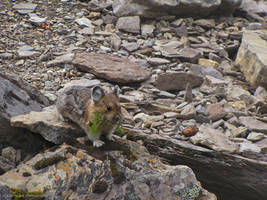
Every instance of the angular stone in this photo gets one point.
(84, 22)
(158, 61)
(214, 139)
(205, 23)
(157, 8)
(254, 124)
(202, 71)
(36, 19)
(129, 24)
(248, 147)
(208, 63)
(254, 136)
(87, 31)
(216, 111)
(177, 81)
(110, 67)
(25, 8)
(252, 58)
(64, 59)
(130, 46)
(188, 112)
(48, 125)
(27, 54)
(147, 29)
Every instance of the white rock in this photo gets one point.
(254, 136)
(84, 22)
(248, 147)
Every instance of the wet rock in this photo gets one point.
(112, 68)
(156, 8)
(48, 125)
(254, 136)
(129, 24)
(213, 139)
(25, 8)
(252, 58)
(254, 124)
(177, 81)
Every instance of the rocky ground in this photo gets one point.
(193, 92)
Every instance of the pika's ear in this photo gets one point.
(97, 93)
(116, 91)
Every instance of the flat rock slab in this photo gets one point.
(110, 67)
(252, 58)
(177, 81)
(48, 125)
(254, 124)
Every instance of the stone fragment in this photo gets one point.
(27, 54)
(147, 29)
(84, 22)
(130, 46)
(188, 112)
(158, 8)
(263, 145)
(25, 8)
(10, 153)
(190, 131)
(236, 92)
(115, 42)
(214, 139)
(87, 31)
(5, 165)
(48, 125)
(202, 71)
(205, 23)
(157, 61)
(212, 81)
(171, 114)
(216, 111)
(175, 81)
(35, 19)
(64, 59)
(248, 147)
(254, 26)
(254, 124)
(254, 136)
(252, 7)
(252, 58)
(6, 55)
(110, 67)
(129, 24)
(208, 63)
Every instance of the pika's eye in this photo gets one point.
(109, 108)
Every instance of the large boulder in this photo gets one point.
(17, 98)
(157, 8)
(252, 58)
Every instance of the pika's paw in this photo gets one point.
(98, 143)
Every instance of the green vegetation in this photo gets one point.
(98, 120)
(18, 194)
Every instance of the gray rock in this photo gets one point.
(10, 153)
(177, 81)
(5, 193)
(157, 61)
(6, 55)
(48, 125)
(36, 19)
(214, 139)
(252, 58)
(87, 31)
(216, 111)
(27, 54)
(254, 124)
(64, 59)
(117, 180)
(25, 8)
(157, 8)
(205, 23)
(130, 46)
(17, 98)
(5, 165)
(254, 26)
(129, 24)
(203, 71)
(254, 7)
(249, 147)
(110, 67)
(228, 7)
(254, 136)
(84, 22)
(147, 29)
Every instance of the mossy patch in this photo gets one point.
(45, 162)
(96, 123)
(18, 194)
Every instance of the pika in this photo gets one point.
(83, 105)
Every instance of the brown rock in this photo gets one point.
(208, 63)
(110, 67)
(177, 81)
(216, 111)
(129, 24)
(190, 131)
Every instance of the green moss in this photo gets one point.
(45, 162)
(117, 175)
(18, 194)
(94, 125)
